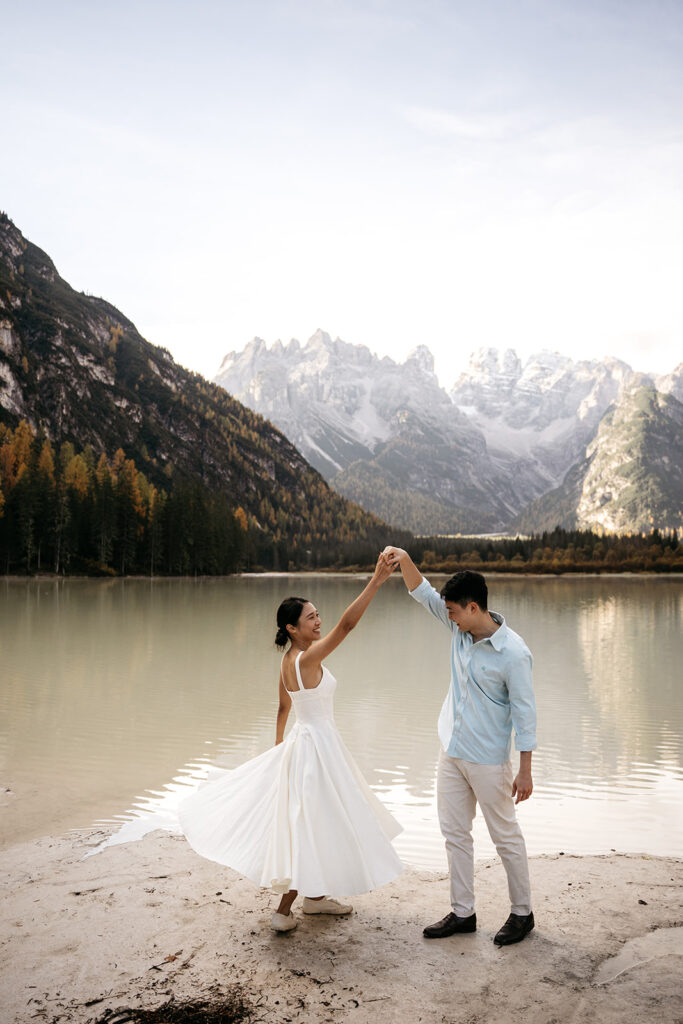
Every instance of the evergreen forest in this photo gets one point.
(65, 511)
(74, 512)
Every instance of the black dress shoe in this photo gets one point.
(450, 925)
(514, 929)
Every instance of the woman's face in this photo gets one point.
(307, 629)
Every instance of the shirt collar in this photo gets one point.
(498, 638)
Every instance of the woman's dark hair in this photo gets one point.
(288, 614)
(464, 587)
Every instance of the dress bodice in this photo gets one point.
(314, 706)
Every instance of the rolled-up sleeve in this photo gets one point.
(522, 702)
(429, 598)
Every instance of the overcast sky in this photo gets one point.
(502, 173)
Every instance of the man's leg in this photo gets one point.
(492, 784)
(457, 806)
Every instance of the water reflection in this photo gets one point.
(118, 695)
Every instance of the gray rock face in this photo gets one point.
(385, 433)
(671, 383)
(545, 411)
(630, 478)
(337, 402)
(481, 458)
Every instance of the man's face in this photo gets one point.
(464, 616)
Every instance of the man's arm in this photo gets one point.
(523, 713)
(419, 588)
(412, 577)
(523, 786)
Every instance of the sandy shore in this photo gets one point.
(80, 937)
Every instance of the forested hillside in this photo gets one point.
(91, 389)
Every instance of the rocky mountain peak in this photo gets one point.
(672, 383)
(422, 359)
(320, 338)
(389, 436)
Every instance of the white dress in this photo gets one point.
(299, 816)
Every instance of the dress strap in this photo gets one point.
(298, 673)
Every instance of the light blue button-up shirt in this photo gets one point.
(491, 690)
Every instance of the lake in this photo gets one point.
(116, 696)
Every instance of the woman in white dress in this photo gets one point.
(301, 816)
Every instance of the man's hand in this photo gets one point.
(394, 554)
(412, 577)
(522, 786)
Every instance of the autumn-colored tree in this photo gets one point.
(8, 466)
(22, 443)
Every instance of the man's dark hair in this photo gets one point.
(466, 586)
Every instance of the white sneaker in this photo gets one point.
(326, 906)
(283, 922)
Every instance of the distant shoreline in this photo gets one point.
(350, 574)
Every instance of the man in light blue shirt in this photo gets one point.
(490, 694)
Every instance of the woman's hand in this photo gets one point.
(412, 577)
(383, 569)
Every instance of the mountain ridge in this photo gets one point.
(77, 370)
(474, 459)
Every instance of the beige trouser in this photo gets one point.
(460, 786)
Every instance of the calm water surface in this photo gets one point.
(116, 696)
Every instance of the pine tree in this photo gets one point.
(105, 511)
(130, 514)
(45, 488)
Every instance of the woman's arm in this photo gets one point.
(317, 652)
(282, 712)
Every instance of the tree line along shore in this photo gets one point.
(67, 512)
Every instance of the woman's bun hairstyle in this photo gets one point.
(288, 614)
(281, 637)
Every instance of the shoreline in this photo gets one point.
(135, 925)
(347, 574)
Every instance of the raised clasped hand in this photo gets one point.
(384, 568)
(393, 555)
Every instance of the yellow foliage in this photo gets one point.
(76, 476)
(23, 439)
(46, 463)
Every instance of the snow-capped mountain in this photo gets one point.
(481, 458)
(386, 434)
(333, 399)
(630, 477)
(546, 410)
